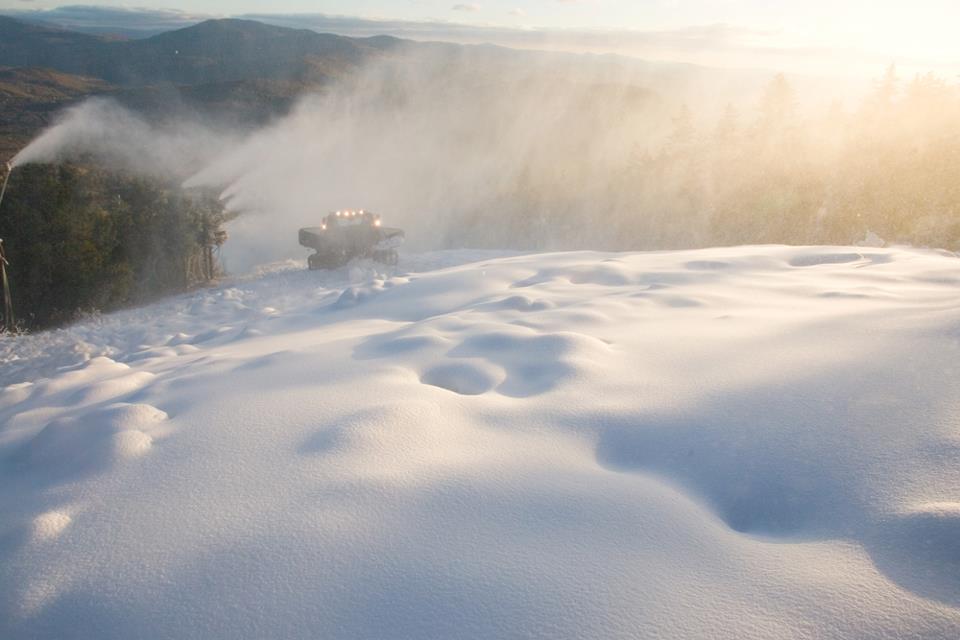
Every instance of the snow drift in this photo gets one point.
(744, 443)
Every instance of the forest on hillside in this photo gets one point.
(888, 167)
(79, 239)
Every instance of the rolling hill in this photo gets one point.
(30, 97)
(212, 51)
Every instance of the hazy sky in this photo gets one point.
(829, 35)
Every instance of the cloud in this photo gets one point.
(467, 7)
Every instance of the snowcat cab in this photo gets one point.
(345, 235)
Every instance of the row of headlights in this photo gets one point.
(353, 214)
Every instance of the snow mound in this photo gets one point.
(90, 442)
(49, 526)
(753, 442)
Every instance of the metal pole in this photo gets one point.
(6, 179)
(7, 297)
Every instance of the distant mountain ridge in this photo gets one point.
(212, 51)
(243, 70)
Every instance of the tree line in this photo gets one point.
(80, 239)
(771, 172)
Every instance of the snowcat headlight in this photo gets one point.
(376, 223)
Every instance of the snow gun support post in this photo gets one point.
(7, 170)
(7, 298)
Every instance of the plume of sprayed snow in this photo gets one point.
(459, 147)
(438, 141)
(116, 137)
(453, 148)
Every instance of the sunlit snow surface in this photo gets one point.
(758, 442)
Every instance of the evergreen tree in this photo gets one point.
(80, 239)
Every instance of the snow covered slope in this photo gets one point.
(756, 442)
